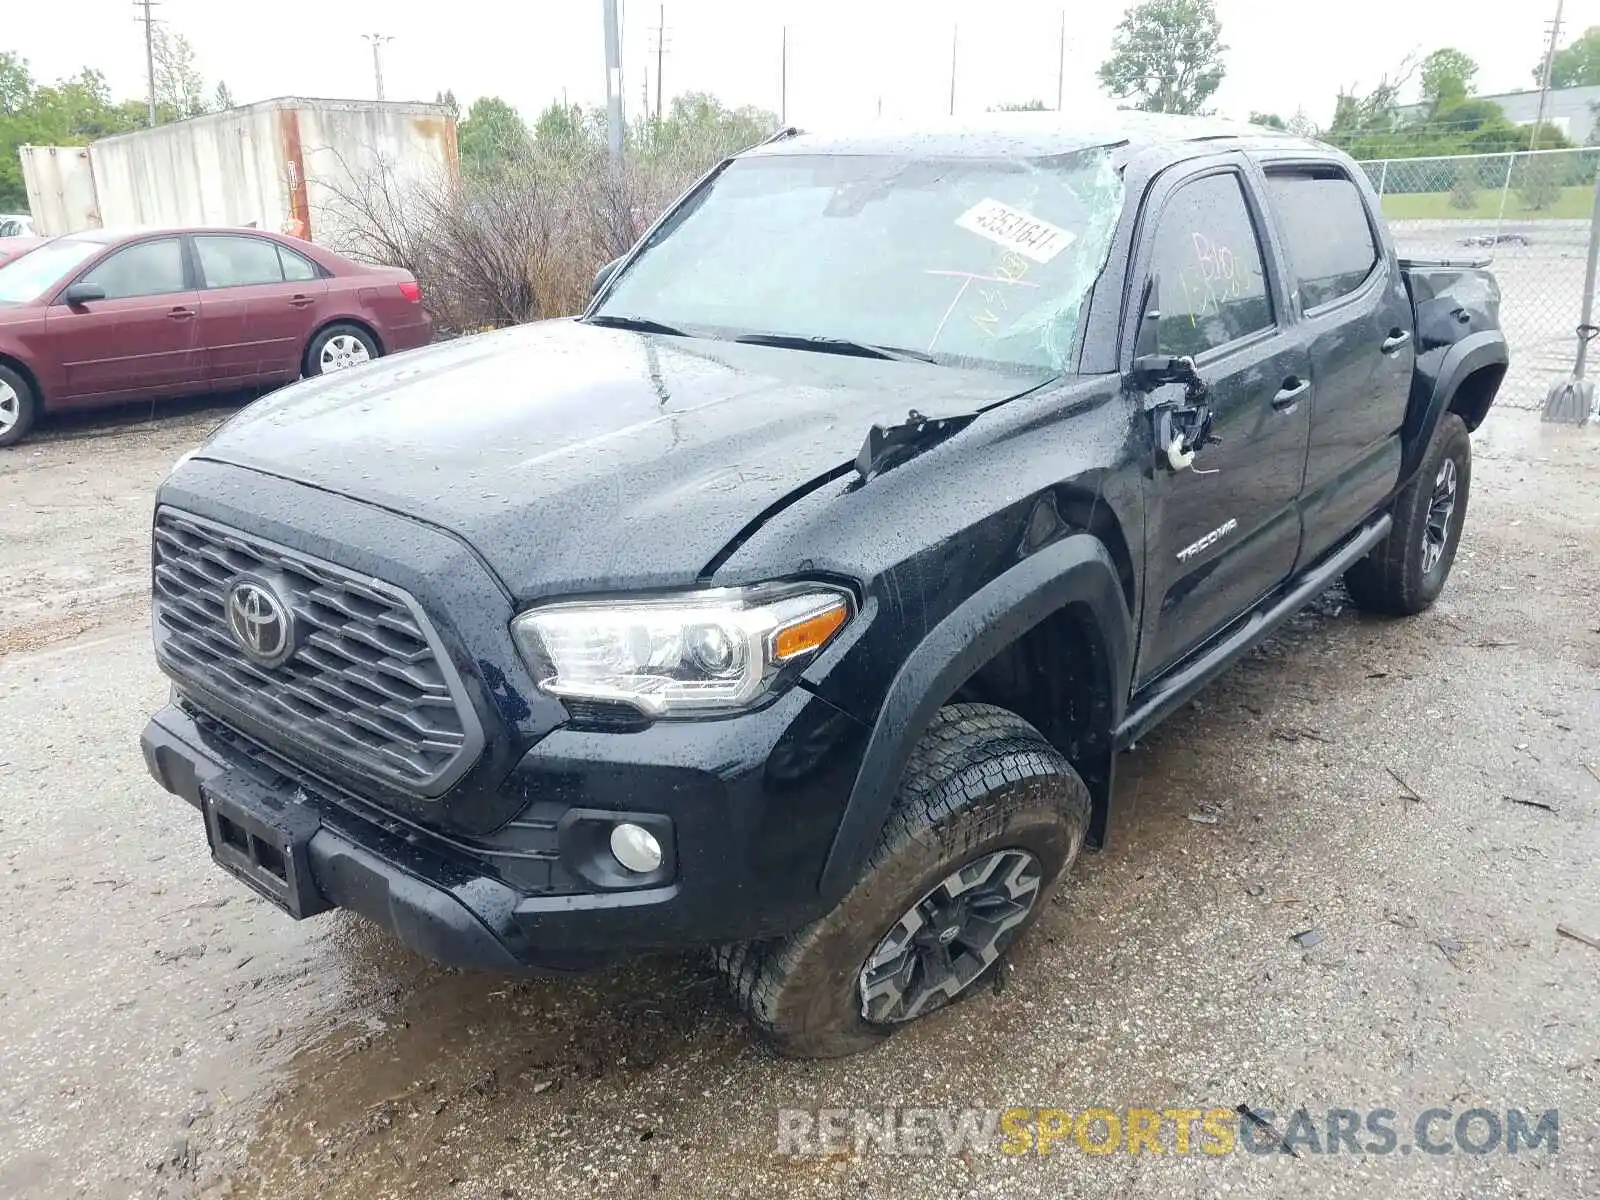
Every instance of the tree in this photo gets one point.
(180, 89)
(491, 137)
(1447, 77)
(1166, 56)
(1538, 186)
(69, 112)
(1268, 120)
(1023, 106)
(1574, 65)
(1302, 125)
(447, 98)
(223, 100)
(16, 83)
(699, 128)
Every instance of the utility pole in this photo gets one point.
(783, 82)
(613, 84)
(377, 40)
(1061, 62)
(149, 50)
(1544, 81)
(661, 51)
(955, 34)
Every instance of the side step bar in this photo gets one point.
(1165, 694)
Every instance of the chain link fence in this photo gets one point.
(1529, 215)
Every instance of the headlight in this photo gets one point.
(700, 652)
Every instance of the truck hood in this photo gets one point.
(575, 458)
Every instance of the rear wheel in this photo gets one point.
(18, 406)
(339, 347)
(1406, 572)
(988, 818)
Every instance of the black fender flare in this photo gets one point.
(1075, 570)
(1487, 348)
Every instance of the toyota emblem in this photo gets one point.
(260, 622)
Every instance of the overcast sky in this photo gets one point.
(845, 56)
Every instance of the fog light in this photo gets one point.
(636, 848)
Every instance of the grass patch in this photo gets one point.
(1573, 204)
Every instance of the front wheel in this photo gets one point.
(18, 405)
(339, 347)
(1406, 571)
(988, 818)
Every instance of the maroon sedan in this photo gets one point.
(16, 246)
(101, 317)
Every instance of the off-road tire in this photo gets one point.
(27, 408)
(980, 779)
(1391, 579)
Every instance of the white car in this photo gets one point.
(15, 225)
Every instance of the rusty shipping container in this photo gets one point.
(292, 165)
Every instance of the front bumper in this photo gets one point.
(730, 837)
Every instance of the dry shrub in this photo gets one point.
(520, 239)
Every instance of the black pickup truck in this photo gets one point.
(796, 600)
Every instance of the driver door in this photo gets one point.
(140, 338)
(1224, 531)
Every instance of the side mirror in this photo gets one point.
(82, 293)
(1151, 371)
(603, 274)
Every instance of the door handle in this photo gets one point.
(1396, 339)
(300, 301)
(1292, 393)
(180, 314)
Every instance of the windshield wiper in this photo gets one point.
(638, 324)
(829, 345)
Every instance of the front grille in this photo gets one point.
(368, 687)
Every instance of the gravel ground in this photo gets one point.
(167, 1034)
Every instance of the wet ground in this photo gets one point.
(1424, 796)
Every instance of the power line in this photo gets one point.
(377, 40)
(1544, 81)
(150, 22)
(660, 31)
(1061, 62)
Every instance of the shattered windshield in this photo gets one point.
(975, 262)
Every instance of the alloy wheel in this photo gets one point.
(1436, 533)
(949, 938)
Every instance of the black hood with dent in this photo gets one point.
(575, 458)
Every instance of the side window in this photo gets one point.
(296, 268)
(1325, 230)
(1208, 259)
(143, 269)
(238, 261)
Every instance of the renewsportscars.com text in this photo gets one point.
(1019, 1131)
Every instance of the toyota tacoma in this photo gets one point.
(795, 600)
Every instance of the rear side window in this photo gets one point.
(1325, 231)
(1208, 261)
(296, 268)
(238, 261)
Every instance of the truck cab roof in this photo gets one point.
(1028, 135)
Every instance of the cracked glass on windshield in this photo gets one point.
(973, 261)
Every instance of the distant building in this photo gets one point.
(1571, 110)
